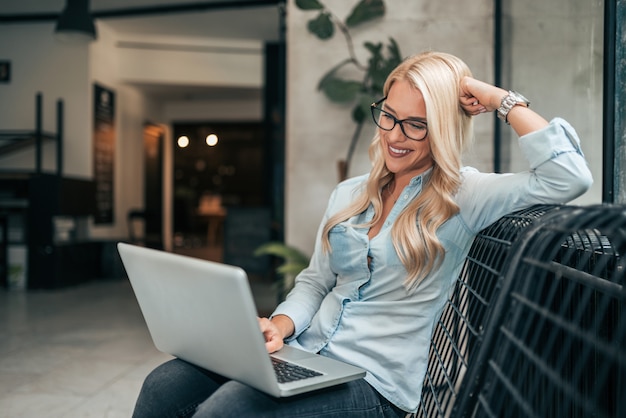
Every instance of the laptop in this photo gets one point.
(203, 312)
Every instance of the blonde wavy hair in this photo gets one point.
(437, 76)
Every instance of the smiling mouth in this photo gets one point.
(398, 151)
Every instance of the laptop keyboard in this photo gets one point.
(289, 372)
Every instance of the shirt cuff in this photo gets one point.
(545, 144)
(299, 318)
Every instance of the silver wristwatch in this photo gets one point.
(508, 102)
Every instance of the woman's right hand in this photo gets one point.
(275, 331)
(477, 97)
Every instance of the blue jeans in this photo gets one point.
(180, 389)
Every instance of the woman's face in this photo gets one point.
(404, 156)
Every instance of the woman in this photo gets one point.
(390, 246)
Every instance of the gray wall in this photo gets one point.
(553, 53)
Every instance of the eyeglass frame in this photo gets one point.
(396, 121)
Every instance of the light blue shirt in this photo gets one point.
(362, 314)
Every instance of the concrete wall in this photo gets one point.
(40, 63)
(553, 53)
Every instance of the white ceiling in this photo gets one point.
(237, 22)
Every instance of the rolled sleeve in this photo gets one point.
(545, 144)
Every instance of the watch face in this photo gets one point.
(508, 101)
(520, 99)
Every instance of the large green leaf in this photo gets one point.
(322, 26)
(331, 73)
(379, 67)
(394, 51)
(357, 114)
(281, 250)
(362, 111)
(309, 5)
(365, 11)
(375, 76)
(291, 268)
(294, 260)
(340, 90)
(394, 56)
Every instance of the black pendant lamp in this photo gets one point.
(75, 22)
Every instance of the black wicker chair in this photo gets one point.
(536, 325)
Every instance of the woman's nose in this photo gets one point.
(397, 134)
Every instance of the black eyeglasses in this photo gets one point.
(411, 128)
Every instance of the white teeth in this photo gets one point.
(398, 151)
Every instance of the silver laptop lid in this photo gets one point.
(190, 307)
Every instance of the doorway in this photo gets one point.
(220, 168)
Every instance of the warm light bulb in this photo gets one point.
(183, 141)
(211, 140)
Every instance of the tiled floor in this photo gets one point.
(77, 352)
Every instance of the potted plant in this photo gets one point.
(294, 261)
(357, 92)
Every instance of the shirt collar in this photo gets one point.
(421, 178)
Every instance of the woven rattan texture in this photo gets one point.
(536, 324)
(459, 333)
(560, 346)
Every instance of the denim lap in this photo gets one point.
(178, 389)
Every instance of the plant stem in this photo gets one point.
(353, 141)
(357, 132)
(346, 33)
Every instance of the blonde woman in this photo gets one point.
(390, 246)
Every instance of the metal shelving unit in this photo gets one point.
(36, 210)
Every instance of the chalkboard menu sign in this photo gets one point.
(103, 153)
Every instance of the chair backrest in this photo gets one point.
(558, 343)
(459, 333)
(536, 326)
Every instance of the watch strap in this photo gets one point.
(508, 102)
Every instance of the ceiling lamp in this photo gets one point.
(75, 22)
